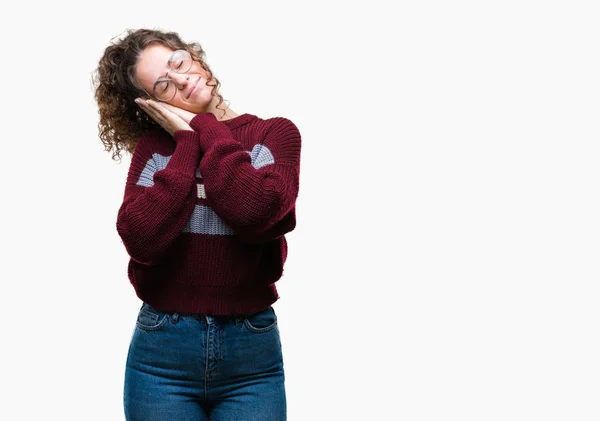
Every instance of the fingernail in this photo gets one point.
(137, 101)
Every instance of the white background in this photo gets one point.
(445, 261)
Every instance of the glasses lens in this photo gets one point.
(181, 61)
(165, 89)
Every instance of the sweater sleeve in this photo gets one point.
(253, 192)
(159, 195)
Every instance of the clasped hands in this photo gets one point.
(171, 118)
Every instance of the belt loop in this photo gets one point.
(175, 317)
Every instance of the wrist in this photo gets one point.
(202, 120)
(184, 135)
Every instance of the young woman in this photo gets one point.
(209, 197)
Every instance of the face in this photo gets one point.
(153, 64)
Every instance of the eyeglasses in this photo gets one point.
(164, 88)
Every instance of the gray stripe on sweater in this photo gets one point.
(260, 156)
(203, 220)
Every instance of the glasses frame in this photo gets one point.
(167, 78)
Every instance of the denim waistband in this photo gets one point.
(210, 319)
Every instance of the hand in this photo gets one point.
(169, 120)
(184, 114)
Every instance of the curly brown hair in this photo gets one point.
(121, 120)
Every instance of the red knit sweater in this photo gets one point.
(205, 212)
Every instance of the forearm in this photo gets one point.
(254, 192)
(157, 205)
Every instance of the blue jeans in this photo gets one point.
(198, 367)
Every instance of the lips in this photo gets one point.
(193, 87)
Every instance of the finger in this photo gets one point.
(163, 111)
(173, 111)
(167, 106)
(153, 113)
(147, 108)
(158, 108)
(184, 114)
(171, 108)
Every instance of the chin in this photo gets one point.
(199, 106)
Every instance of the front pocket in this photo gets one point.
(150, 318)
(261, 321)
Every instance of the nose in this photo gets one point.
(180, 79)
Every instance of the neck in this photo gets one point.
(218, 112)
